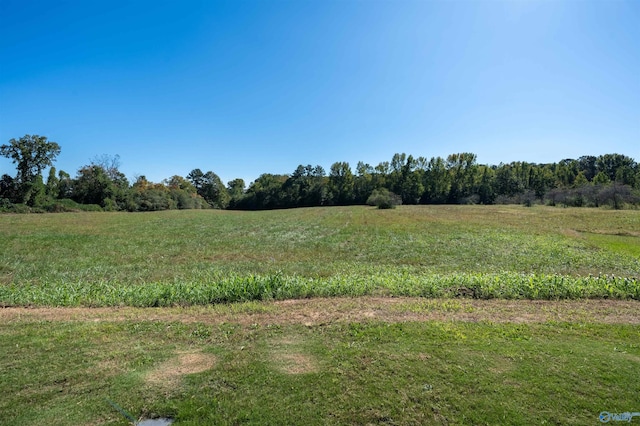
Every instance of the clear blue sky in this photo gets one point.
(246, 87)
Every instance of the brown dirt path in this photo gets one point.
(322, 311)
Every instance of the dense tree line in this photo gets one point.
(606, 180)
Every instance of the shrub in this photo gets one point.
(14, 208)
(5, 205)
(68, 205)
(383, 199)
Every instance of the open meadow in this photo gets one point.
(345, 315)
(201, 257)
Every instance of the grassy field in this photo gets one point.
(323, 361)
(531, 316)
(201, 257)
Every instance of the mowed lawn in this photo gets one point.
(339, 361)
(380, 358)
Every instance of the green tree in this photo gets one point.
(462, 168)
(196, 177)
(264, 193)
(236, 189)
(542, 179)
(37, 192)
(581, 180)
(341, 184)
(305, 187)
(507, 182)
(210, 187)
(626, 175)
(485, 188)
(364, 182)
(8, 188)
(609, 164)
(179, 183)
(93, 186)
(65, 185)
(148, 196)
(52, 184)
(601, 179)
(566, 172)
(101, 183)
(31, 154)
(405, 179)
(436, 182)
(395, 176)
(587, 165)
(411, 188)
(182, 193)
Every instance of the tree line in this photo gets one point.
(606, 180)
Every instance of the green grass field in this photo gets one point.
(531, 316)
(201, 257)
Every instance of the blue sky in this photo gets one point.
(248, 87)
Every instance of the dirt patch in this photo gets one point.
(288, 356)
(571, 233)
(502, 366)
(171, 371)
(107, 368)
(295, 363)
(615, 233)
(313, 312)
(631, 357)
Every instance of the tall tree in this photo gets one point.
(183, 193)
(93, 186)
(65, 185)
(52, 183)
(31, 154)
(235, 188)
(506, 180)
(341, 184)
(566, 172)
(304, 188)
(462, 168)
(587, 164)
(436, 182)
(486, 186)
(8, 188)
(264, 193)
(364, 183)
(609, 164)
(210, 187)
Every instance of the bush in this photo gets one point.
(68, 205)
(383, 199)
(8, 207)
(5, 205)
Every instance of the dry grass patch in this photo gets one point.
(289, 357)
(317, 311)
(170, 372)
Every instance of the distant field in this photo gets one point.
(199, 257)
